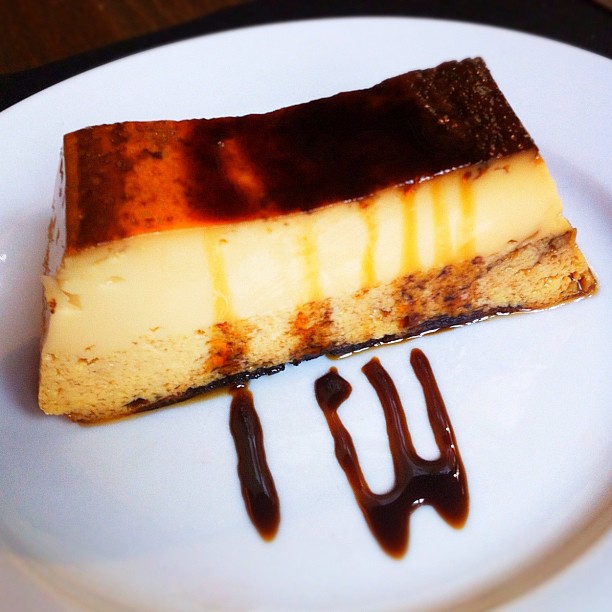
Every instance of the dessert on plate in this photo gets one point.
(190, 254)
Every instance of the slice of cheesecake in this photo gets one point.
(201, 252)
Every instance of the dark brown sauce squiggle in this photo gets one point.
(256, 482)
(440, 483)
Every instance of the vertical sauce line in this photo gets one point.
(222, 308)
(442, 233)
(368, 264)
(410, 248)
(256, 481)
(467, 222)
(310, 256)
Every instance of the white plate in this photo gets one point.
(146, 513)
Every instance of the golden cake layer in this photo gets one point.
(204, 251)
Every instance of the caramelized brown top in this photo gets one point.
(136, 177)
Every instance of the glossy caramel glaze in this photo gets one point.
(130, 178)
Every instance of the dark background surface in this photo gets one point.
(45, 41)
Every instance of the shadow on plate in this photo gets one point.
(19, 378)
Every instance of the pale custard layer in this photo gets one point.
(178, 282)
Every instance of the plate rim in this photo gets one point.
(594, 528)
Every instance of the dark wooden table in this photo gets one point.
(45, 41)
(37, 32)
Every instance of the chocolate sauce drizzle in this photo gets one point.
(256, 482)
(440, 483)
